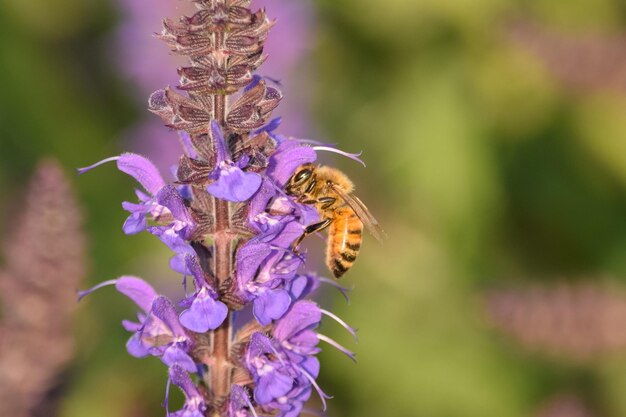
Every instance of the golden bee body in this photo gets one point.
(345, 216)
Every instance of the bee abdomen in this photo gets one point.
(344, 241)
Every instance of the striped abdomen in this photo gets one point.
(344, 241)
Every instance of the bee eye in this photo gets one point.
(302, 176)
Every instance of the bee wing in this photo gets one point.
(363, 213)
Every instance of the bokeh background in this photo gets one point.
(495, 137)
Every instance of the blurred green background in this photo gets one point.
(495, 137)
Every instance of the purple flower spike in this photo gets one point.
(231, 182)
(241, 255)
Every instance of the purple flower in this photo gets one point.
(161, 199)
(205, 311)
(150, 179)
(175, 235)
(158, 331)
(295, 331)
(239, 404)
(281, 383)
(231, 225)
(194, 401)
(273, 378)
(262, 274)
(231, 183)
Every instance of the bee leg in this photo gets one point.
(326, 202)
(314, 228)
(304, 200)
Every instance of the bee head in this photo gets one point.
(300, 182)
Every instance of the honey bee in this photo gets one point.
(330, 191)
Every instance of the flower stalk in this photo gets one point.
(232, 228)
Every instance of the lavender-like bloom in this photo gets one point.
(232, 228)
(576, 321)
(45, 261)
(565, 405)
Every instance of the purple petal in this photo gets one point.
(131, 326)
(288, 156)
(188, 148)
(172, 239)
(259, 345)
(135, 347)
(238, 401)
(272, 386)
(271, 305)
(233, 184)
(305, 343)
(291, 232)
(296, 409)
(163, 309)
(249, 258)
(176, 356)
(312, 366)
(204, 314)
(169, 197)
(308, 214)
(136, 207)
(144, 171)
(261, 199)
(193, 265)
(137, 290)
(271, 126)
(135, 223)
(303, 315)
(303, 285)
(178, 264)
(256, 79)
(180, 378)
